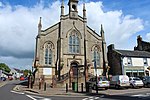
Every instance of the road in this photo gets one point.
(6, 93)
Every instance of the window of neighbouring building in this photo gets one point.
(145, 61)
(129, 61)
(74, 43)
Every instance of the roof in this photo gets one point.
(134, 53)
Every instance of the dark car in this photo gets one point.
(3, 78)
(146, 81)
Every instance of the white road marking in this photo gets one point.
(140, 95)
(96, 98)
(46, 99)
(38, 97)
(91, 98)
(16, 92)
(85, 99)
(31, 97)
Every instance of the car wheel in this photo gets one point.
(94, 87)
(106, 88)
(148, 84)
(117, 86)
(132, 86)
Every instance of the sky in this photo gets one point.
(122, 20)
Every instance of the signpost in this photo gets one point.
(95, 66)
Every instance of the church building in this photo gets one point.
(69, 51)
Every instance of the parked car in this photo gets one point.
(3, 78)
(146, 81)
(119, 81)
(10, 77)
(136, 82)
(22, 78)
(102, 82)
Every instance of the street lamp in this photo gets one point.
(95, 66)
(77, 77)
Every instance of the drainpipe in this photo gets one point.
(122, 67)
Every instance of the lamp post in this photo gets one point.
(77, 77)
(95, 66)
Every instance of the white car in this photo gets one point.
(136, 82)
(102, 82)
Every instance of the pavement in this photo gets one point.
(2, 83)
(52, 91)
(62, 91)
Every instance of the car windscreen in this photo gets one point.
(102, 78)
(136, 78)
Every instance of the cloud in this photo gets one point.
(148, 36)
(17, 63)
(117, 26)
(19, 26)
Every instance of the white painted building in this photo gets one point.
(131, 63)
(136, 66)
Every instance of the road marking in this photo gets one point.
(96, 98)
(38, 97)
(31, 97)
(85, 98)
(16, 92)
(140, 95)
(91, 98)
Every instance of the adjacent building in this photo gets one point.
(68, 49)
(127, 62)
(142, 45)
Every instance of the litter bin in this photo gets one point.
(88, 87)
(75, 86)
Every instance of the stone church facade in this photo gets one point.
(67, 49)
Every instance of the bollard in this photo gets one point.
(82, 87)
(29, 82)
(66, 87)
(45, 86)
(39, 85)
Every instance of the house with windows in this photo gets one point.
(67, 49)
(127, 62)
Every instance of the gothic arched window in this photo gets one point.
(48, 53)
(74, 43)
(96, 56)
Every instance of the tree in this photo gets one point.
(26, 72)
(4, 67)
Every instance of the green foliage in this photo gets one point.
(26, 72)
(4, 67)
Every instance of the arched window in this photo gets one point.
(74, 43)
(48, 53)
(96, 56)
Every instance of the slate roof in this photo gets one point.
(135, 53)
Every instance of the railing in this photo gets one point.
(63, 77)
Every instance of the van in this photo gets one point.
(119, 81)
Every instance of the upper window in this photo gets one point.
(96, 55)
(129, 61)
(74, 43)
(48, 54)
(145, 61)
